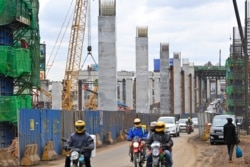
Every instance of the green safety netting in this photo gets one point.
(14, 61)
(13, 10)
(9, 106)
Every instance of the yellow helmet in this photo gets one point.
(79, 126)
(137, 122)
(160, 126)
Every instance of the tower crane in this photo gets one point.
(70, 82)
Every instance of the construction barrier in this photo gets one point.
(7, 159)
(109, 139)
(31, 156)
(204, 135)
(49, 152)
(120, 136)
(125, 133)
(98, 140)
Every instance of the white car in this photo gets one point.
(182, 124)
(171, 126)
(195, 122)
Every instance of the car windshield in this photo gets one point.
(219, 121)
(182, 120)
(195, 119)
(167, 120)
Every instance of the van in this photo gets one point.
(216, 130)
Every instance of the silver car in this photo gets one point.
(195, 122)
(182, 124)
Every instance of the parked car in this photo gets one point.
(195, 122)
(182, 124)
(216, 130)
(172, 126)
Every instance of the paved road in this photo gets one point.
(117, 154)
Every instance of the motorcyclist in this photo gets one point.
(166, 141)
(80, 139)
(136, 130)
(152, 128)
(189, 121)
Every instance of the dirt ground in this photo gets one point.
(208, 155)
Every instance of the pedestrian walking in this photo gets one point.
(230, 137)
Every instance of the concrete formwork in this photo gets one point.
(142, 94)
(164, 82)
(107, 83)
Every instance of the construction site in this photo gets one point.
(35, 113)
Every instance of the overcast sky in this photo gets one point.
(198, 29)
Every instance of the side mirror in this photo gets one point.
(177, 122)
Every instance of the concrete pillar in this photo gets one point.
(208, 88)
(129, 92)
(185, 65)
(164, 82)
(151, 87)
(191, 72)
(57, 95)
(107, 83)
(177, 83)
(44, 86)
(157, 89)
(142, 94)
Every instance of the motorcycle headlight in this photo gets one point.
(135, 144)
(74, 155)
(156, 152)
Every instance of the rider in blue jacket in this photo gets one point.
(136, 130)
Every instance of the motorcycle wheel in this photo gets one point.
(137, 160)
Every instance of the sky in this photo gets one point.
(201, 30)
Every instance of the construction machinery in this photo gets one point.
(73, 62)
(92, 103)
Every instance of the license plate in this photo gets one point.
(221, 137)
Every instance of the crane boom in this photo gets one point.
(73, 63)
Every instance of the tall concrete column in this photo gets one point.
(157, 89)
(191, 72)
(150, 87)
(142, 94)
(129, 92)
(107, 83)
(177, 83)
(164, 82)
(57, 95)
(185, 65)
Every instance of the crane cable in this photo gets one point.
(49, 65)
(89, 48)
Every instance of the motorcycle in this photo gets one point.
(138, 151)
(76, 156)
(189, 129)
(158, 155)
